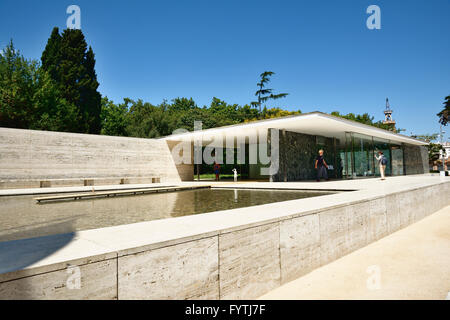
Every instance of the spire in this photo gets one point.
(388, 115)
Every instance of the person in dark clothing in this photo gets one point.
(321, 166)
(216, 169)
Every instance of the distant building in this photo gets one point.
(388, 116)
(446, 146)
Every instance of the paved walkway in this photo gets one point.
(413, 263)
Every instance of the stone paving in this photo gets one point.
(413, 263)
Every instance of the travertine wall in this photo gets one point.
(185, 168)
(27, 155)
(242, 263)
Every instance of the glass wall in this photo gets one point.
(363, 155)
(357, 153)
(345, 153)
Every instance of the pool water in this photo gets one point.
(22, 217)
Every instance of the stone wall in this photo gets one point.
(185, 170)
(297, 155)
(415, 159)
(29, 155)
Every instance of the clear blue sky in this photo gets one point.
(321, 51)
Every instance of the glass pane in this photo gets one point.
(348, 156)
(397, 160)
(362, 149)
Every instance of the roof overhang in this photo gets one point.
(314, 123)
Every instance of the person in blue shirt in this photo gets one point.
(382, 162)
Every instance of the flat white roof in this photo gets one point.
(314, 123)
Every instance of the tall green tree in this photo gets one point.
(264, 94)
(90, 97)
(51, 56)
(71, 64)
(444, 114)
(17, 87)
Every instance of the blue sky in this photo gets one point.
(321, 51)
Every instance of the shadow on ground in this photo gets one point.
(19, 254)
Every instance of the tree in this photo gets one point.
(29, 98)
(443, 115)
(51, 56)
(17, 87)
(434, 150)
(264, 94)
(148, 121)
(114, 118)
(90, 97)
(366, 119)
(182, 104)
(278, 113)
(71, 65)
(426, 137)
(51, 111)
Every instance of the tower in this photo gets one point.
(388, 116)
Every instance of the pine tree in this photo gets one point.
(51, 56)
(444, 114)
(90, 98)
(72, 66)
(264, 94)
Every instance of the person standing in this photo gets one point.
(321, 166)
(216, 169)
(382, 162)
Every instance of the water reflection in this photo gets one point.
(21, 217)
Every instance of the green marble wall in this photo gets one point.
(298, 152)
(415, 159)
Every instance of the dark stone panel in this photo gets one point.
(298, 152)
(416, 159)
(425, 161)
